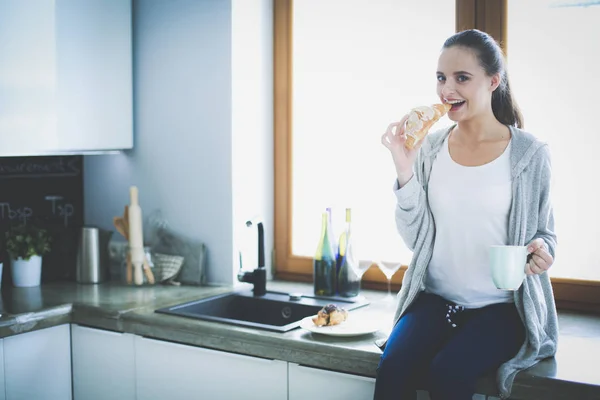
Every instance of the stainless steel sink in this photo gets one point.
(275, 311)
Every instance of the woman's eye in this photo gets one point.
(462, 78)
(441, 78)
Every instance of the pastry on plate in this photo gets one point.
(330, 315)
(420, 120)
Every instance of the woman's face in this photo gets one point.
(461, 80)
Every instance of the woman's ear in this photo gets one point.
(496, 81)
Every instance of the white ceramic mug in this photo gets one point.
(507, 264)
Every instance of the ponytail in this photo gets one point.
(504, 106)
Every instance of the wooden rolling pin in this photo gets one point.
(136, 236)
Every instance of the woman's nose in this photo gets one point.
(447, 91)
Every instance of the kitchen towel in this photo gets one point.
(193, 252)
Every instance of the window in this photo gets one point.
(553, 61)
(345, 69)
(354, 71)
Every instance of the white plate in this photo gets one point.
(350, 327)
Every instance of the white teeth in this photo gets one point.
(454, 101)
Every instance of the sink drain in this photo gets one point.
(286, 312)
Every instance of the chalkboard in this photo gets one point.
(40, 167)
(45, 192)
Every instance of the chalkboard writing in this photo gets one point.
(22, 214)
(46, 192)
(38, 167)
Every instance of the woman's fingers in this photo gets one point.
(385, 140)
(536, 265)
(540, 263)
(393, 130)
(403, 122)
(397, 128)
(536, 269)
(389, 138)
(543, 254)
(394, 134)
(532, 269)
(541, 260)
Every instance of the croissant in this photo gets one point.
(420, 120)
(330, 315)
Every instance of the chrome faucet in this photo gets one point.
(257, 277)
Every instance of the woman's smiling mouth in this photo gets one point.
(456, 104)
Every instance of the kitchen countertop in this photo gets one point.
(572, 374)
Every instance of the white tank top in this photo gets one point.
(470, 206)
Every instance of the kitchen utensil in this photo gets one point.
(167, 267)
(119, 224)
(92, 255)
(126, 218)
(122, 226)
(136, 235)
(147, 271)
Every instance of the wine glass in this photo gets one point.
(356, 269)
(388, 268)
(360, 267)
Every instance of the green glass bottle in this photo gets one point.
(324, 261)
(348, 281)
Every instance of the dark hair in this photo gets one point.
(491, 58)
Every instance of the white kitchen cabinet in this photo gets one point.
(166, 370)
(37, 364)
(103, 364)
(2, 385)
(65, 76)
(423, 395)
(313, 383)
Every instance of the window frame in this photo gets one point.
(489, 16)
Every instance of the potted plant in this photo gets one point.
(25, 246)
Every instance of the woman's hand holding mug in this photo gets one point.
(540, 260)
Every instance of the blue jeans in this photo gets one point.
(440, 347)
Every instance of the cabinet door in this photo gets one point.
(2, 387)
(37, 365)
(103, 364)
(313, 383)
(166, 370)
(27, 77)
(94, 67)
(424, 395)
(66, 80)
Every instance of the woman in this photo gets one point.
(481, 182)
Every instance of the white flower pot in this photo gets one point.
(26, 273)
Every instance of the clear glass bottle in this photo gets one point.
(341, 248)
(324, 268)
(348, 281)
(331, 230)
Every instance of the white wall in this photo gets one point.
(252, 128)
(184, 161)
